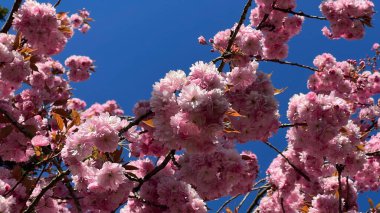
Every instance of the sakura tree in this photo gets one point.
(178, 151)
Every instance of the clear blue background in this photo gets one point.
(135, 42)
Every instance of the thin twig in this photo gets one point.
(20, 127)
(38, 178)
(18, 183)
(44, 190)
(8, 23)
(346, 204)
(57, 3)
(282, 205)
(148, 202)
(290, 63)
(287, 160)
(261, 24)
(154, 171)
(339, 168)
(135, 122)
(257, 199)
(292, 125)
(261, 187)
(69, 187)
(242, 201)
(299, 13)
(369, 129)
(260, 181)
(234, 34)
(226, 203)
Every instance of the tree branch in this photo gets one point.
(242, 201)
(292, 125)
(20, 127)
(57, 3)
(226, 203)
(257, 199)
(69, 188)
(234, 34)
(134, 123)
(289, 63)
(299, 13)
(154, 171)
(377, 154)
(346, 204)
(339, 168)
(290, 163)
(44, 190)
(8, 23)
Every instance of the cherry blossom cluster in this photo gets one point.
(368, 179)
(276, 25)
(41, 27)
(331, 149)
(46, 31)
(14, 68)
(56, 155)
(80, 67)
(272, 26)
(164, 192)
(7, 203)
(220, 173)
(347, 18)
(194, 112)
(344, 80)
(81, 20)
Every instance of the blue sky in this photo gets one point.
(135, 42)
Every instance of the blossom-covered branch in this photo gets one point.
(154, 171)
(8, 24)
(234, 33)
(289, 162)
(52, 183)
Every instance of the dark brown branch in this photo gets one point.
(255, 202)
(175, 162)
(339, 168)
(234, 34)
(154, 171)
(299, 13)
(38, 179)
(28, 168)
(290, 63)
(20, 127)
(373, 154)
(44, 190)
(135, 122)
(261, 24)
(8, 24)
(282, 205)
(292, 125)
(290, 163)
(346, 204)
(57, 3)
(69, 187)
(18, 183)
(222, 57)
